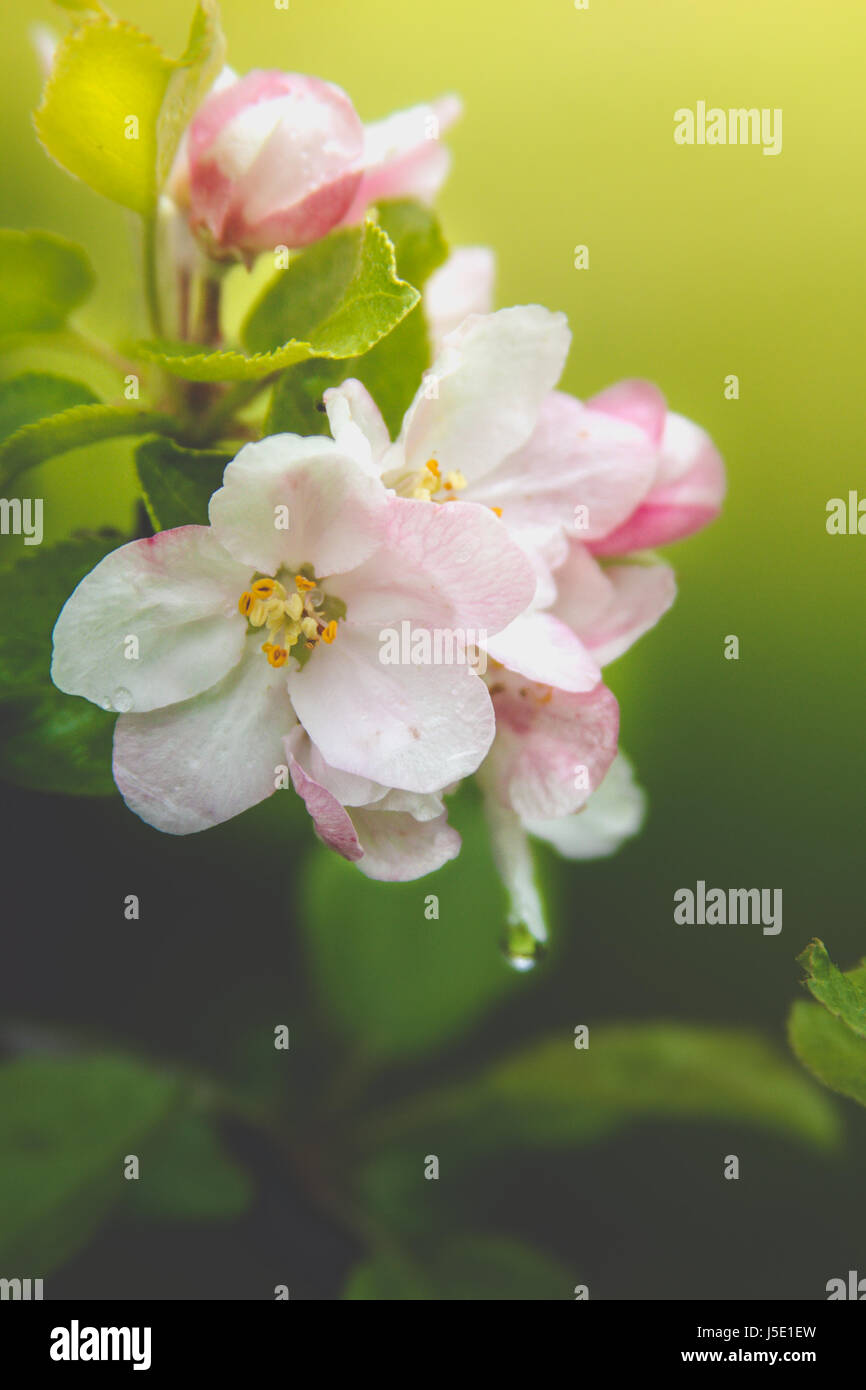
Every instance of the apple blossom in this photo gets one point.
(278, 158)
(487, 426)
(205, 705)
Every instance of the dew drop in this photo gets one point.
(121, 700)
(521, 949)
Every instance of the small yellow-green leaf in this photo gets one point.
(115, 106)
(42, 279)
(100, 107)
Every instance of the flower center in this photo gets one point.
(426, 484)
(296, 620)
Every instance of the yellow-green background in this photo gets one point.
(703, 262)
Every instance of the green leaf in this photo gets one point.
(32, 594)
(297, 394)
(191, 78)
(31, 396)
(114, 105)
(83, 424)
(471, 1268)
(556, 1093)
(398, 982)
(829, 1049)
(68, 1123)
(839, 993)
(335, 301)
(50, 742)
(42, 279)
(106, 75)
(186, 1174)
(178, 483)
(392, 369)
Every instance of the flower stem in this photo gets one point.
(151, 277)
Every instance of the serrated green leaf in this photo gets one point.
(114, 105)
(31, 396)
(67, 1125)
(471, 1268)
(419, 244)
(839, 993)
(395, 980)
(42, 279)
(392, 369)
(184, 1173)
(178, 483)
(348, 296)
(71, 429)
(829, 1049)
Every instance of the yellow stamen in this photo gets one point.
(294, 607)
(304, 584)
(497, 510)
(454, 481)
(330, 632)
(432, 467)
(309, 627)
(266, 588)
(245, 603)
(277, 656)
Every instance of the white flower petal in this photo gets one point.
(176, 594)
(418, 728)
(200, 763)
(613, 814)
(490, 380)
(333, 507)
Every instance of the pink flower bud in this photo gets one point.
(274, 159)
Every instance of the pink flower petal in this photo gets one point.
(610, 607)
(447, 566)
(639, 402)
(552, 749)
(542, 648)
(403, 156)
(687, 495)
(578, 469)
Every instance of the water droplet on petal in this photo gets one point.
(521, 949)
(122, 700)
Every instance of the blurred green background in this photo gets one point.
(703, 262)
